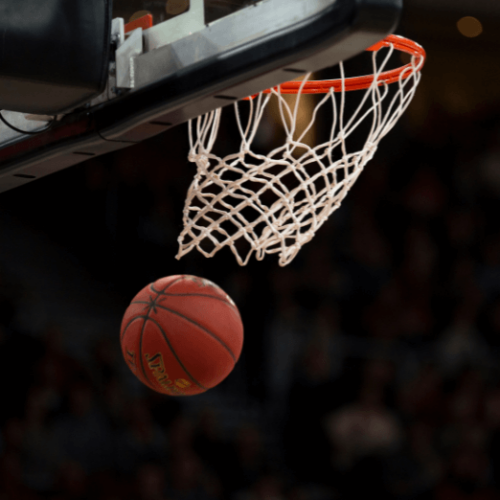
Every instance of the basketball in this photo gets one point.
(181, 335)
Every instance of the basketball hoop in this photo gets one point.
(275, 202)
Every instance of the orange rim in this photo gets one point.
(363, 82)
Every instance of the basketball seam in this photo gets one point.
(174, 353)
(140, 302)
(201, 327)
(140, 352)
(151, 287)
(222, 299)
(128, 324)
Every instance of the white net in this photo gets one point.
(274, 203)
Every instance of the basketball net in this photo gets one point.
(274, 203)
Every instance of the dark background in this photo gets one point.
(370, 364)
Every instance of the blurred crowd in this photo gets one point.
(372, 358)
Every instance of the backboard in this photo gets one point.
(197, 56)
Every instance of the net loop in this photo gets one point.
(260, 204)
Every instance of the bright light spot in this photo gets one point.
(469, 26)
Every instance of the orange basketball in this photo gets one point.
(181, 335)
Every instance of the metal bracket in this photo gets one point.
(118, 31)
(125, 55)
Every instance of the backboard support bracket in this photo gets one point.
(125, 55)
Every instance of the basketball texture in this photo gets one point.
(181, 335)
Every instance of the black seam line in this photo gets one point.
(190, 295)
(174, 353)
(168, 286)
(222, 343)
(196, 295)
(140, 351)
(128, 324)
